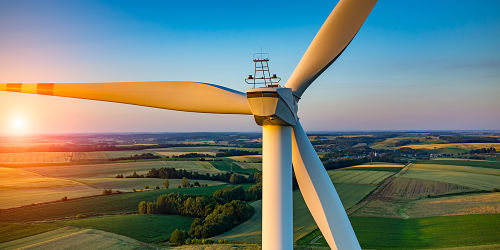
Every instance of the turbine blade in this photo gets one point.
(336, 33)
(319, 193)
(183, 96)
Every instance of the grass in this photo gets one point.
(97, 205)
(203, 149)
(462, 146)
(13, 231)
(96, 170)
(432, 232)
(445, 174)
(250, 165)
(464, 162)
(377, 166)
(112, 169)
(358, 177)
(226, 165)
(34, 157)
(19, 187)
(247, 158)
(145, 228)
(483, 203)
(128, 184)
(75, 238)
(409, 189)
(303, 222)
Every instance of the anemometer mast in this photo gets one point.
(262, 75)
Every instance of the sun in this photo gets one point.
(18, 125)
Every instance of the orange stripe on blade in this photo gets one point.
(45, 88)
(14, 87)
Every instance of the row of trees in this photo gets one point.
(136, 157)
(235, 152)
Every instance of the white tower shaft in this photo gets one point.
(277, 203)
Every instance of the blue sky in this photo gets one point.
(415, 65)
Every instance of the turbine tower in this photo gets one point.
(275, 109)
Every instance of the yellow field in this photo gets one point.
(465, 146)
(376, 165)
(247, 165)
(247, 158)
(35, 157)
(19, 187)
(488, 203)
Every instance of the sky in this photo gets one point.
(414, 65)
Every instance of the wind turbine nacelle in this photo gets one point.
(273, 106)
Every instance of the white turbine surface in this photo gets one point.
(280, 146)
(319, 193)
(277, 199)
(333, 37)
(182, 96)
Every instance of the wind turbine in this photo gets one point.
(275, 109)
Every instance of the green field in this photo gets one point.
(368, 177)
(444, 173)
(250, 165)
(431, 232)
(464, 162)
(75, 238)
(97, 205)
(12, 231)
(303, 222)
(226, 165)
(145, 228)
(128, 184)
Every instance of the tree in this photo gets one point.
(165, 183)
(150, 208)
(185, 182)
(178, 237)
(142, 207)
(233, 179)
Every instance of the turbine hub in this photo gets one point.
(273, 106)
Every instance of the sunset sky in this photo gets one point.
(414, 65)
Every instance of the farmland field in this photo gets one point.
(128, 184)
(377, 166)
(145, 228)
(368, 177)
(75, 238)
(303, 222)
(408, 188)
(463, 162)
(248, 165)
(35, 157)
(485, 203)
(96, 205)
(201, 149)
(431, 232)
(19, 187)
(112, 169)
(13, 231)
(247, 158)
(461, 146)
(445, 173)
